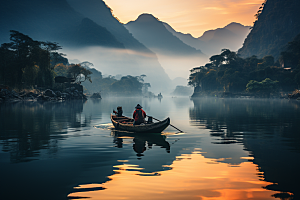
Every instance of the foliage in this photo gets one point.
(26, 62)
(127, 85)
(231, 73)
(277, 22)
(80, 74)
(291, 56)
(61, 70)
(57, 58)
(265, 86)
(30, 74)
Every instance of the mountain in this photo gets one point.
(277, 24)
(87, 30)
(211, 42)
(100, 13)
(136, 60)
(176, 57)
(53, 20)
(186, 38)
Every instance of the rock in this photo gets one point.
(49, 93)
(58, 93)
(96, 95)
(65, 95)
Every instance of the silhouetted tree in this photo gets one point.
(26, 61)
(79, 73)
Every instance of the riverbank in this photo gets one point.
(71, 93)
(280, 95)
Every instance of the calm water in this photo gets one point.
(230, 149)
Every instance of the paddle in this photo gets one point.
(169, 124)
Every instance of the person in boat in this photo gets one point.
(119, 111)
(139, 115)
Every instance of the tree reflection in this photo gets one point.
(267, 128)
(28, 128)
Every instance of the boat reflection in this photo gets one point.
(141, 141)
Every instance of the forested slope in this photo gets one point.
(278, 22)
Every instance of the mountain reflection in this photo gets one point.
(141, 142)
(27, 128)
(268, 129)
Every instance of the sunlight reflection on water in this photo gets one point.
(192, 176)
(228, 150)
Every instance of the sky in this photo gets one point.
(189, 16)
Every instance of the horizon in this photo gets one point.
(184, 16)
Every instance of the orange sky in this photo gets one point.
(189, 16)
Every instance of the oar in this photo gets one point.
(169, 124)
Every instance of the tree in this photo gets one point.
(128, 85)
(79, 73)
(30, 74)
(61, 70)
(23, 57)
(291, 56)
(216, 60)
(24, 49)
(228, 56)
(266, 86)
(87, 64)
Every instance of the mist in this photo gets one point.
(116, 62)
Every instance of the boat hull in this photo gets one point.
(147, 128)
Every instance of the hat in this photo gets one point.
(138, 106)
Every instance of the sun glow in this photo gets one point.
(191, 16)
(192, 176)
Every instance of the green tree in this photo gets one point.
(266, 86)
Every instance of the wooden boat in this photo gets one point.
(126, 124)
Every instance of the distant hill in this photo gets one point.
(100, 13)
(53, 20)
(152, 32)
(136, 60)
(87, 30)
(174, 55)
(278, 24)
(211, 42)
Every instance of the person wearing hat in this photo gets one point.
(139, 115)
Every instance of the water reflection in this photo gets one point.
(29, 127)
(231, 119)
(141, 142)
(268, 129)
(232, 149)
(190, 178)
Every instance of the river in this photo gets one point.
(229, 149)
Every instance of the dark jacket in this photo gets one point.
(139, 115)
